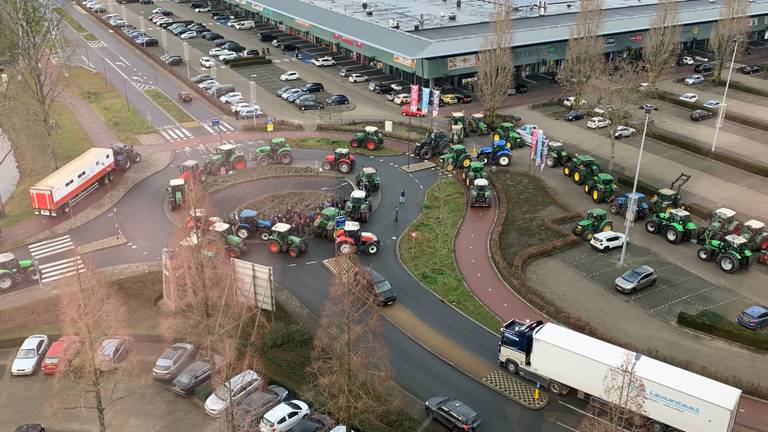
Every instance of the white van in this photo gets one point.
(245, 25)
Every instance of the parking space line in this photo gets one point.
(679, 299)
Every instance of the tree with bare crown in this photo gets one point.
(663, 38)
(731, 26)
(495, 68)
(584, 55)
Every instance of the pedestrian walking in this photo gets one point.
(402, 197)
(264, 52)
(268, 53)
(397, 210)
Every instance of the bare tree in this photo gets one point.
(39, 39)
(616, 89)
(584, 56)
(495, 68)
(663, 38)
(349, 368)
(732, 25)
(622, 408)
(91, 309)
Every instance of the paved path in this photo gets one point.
(90, 120)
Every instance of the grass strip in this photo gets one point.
(715, 324)
(332, 144)
(430, 255)
(75, 25)
(169, 106)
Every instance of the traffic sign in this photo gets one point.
(413, 234)
(270, 127)
(215, 122)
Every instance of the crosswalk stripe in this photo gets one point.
(56, 263)
(226, 127)
(34, 246)
(165, 135)
(208, 128)
(50, 246)
(171, 133)
(61, 276)
(54, 251)
(52, 271)
(186, 132)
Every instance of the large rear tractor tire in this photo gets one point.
(728, 264)
(371, 144)
(704, 254)
(372, 248)
(262, 160)
(32, 274)
(286, 158)
(425, 153)
(504, 160)
(652, 227)
(465, 161)
(673, 236)
(6, 282)
(550, 162)
(293, 252)
(567, 171)
(511, 367)
(274, 246)
(239, 163)
(136, 157)
(344, 167)
(345, 248)
(327, 166)
(354, 143)
(577, 178)
(587, 235)
(243, 233)
(587, 188)
(264, 235)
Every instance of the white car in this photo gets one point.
(356, 77)
(686, 60)
(607, 240)
(601, 110)
(188, 35)
(207, 62)
(237, 106)
(712, 104)
(396, 86)
(227, 98)
(208, 83)
(597, 123)
(215, 52)
(203, 9)
(229, 55)
(689, 97)
(284, 416)
(30, 355)
(232, 391)
(159, 10)
(624, 132)
(236, 99)
(694, 79)
(245, 25)
(118, 22)
(569, 101)
(110, 16)
(402, 99)
(323, 61)
(289, 76)
(163, 20)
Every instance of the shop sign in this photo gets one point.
(610, 40)
(348, 40)
(695, 29)
(636, 38)
(411, 63)
(461, 62)
(302, 23)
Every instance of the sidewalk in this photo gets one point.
(739, 102)
(90, 120)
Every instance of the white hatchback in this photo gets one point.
(598, 123)
(232, 391)
(207, 62)
(712, 104)
(30, 355)
(284, 416)
(607, 240)
(689, 97)
(356, 78)
(289, 76)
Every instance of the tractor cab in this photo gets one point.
(8, 262)
(664, 199)
(371, 130)
(476, 170)
(191, 169)
(457, 134)
(456, 156)
(277, 144)
(176, 193)
(358, 206)
(723, 219)
(597, 216)
(338, 154)
(357, 197)
(679, 216)
(477, 124)
(596, 220)
(736, 242)
(481, 185)
(350, 239)
(458, 119)
(350, 229)
(225, 151)
(368, 179)
(555, 148)
(754, 232)
(556, 154)
(281, 231)
(251, 217)
(281, 240)
(506, 131)
(604, 179)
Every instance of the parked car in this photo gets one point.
(236, 107)
(449, 99)
(207, 62)
(232, 391)
(345, 72)
(190, 34)
(112, 351)
(175, 61)
(356, 78)
(289, 93)
(173, 360)
(402, 99)
(248, 113)
(519, 88)
(461, 95)
(253, 406)
(750, 69)
(245, 25)
(118, 22)
(295, 95)
(380, 88)
(699, 115)
(228, 56)
(624, 132)
(574, 115)
(314, 87)
(230, 97)
(638, 278)
(569, 101)
(221, 42)
(648, 107)
(215, 52)
(250, 53)
(753, 317)
(606, 240)
(712, 104)
(689, 97)
(310, 103)
(454, 414)
(60, 354)
(197, 79)
(685, 60)
(30, 355)
(202, 9)
(385, 294)
(324, 61)
(703, 68)
(313, 423)
(234, 47)
(211, 36)
(290, 76)
(284, 89)
(146, 2)
(406, 112)
(282, 417)
(190, 378)
(693, 79)
(598, 123)
(338, 99)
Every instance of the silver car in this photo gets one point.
(112, 351)
(636, 279)
(173, 360)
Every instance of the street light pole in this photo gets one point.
(252, 88)
(186, 56)
(630, 214)
(721, 109)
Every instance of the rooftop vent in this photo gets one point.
(365, 5)
(394, 24)
(452, 16)
(369, 12)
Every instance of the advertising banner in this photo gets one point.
(544, 152)
(539, 145)
(435, 103)
(534, 141)
(414, 97)
(425, 99)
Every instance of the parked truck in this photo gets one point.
(55, 194)
(561, 359)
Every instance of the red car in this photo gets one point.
(406, 112)
(60, 353)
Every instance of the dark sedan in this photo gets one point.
(699, 115)
(337, 100)
(191, 378)
(253, 406)
(703, 68)
(751, 70)
(222, 42)
(310, 103)
(454, 414)
(461, 95)
(574, 115)
(754, 317)
(385, 294)
(211, 36)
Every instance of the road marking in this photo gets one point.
(185, 132)
(51, 247)
(97, 44)
(226, 127)
(208, 128)
(172, 133)
(165, 135)
(61, 269)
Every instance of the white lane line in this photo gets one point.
(185, 132)
(35, 245)
(165, 135)
(54, 251)
(208, 128)
(61, 276)
(225, 126)
(55, 263)
(63, 269)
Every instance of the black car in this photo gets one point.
(385, 294)
(212, 36)
(703, 68)
(146, 2)
(222, 42)
(312, 423)
(251, 52)
(289, 48)
(380, 88)
(750, 70)
(337, 100)
(461, 95)
(31, 427)
(197, 79)
(233, 46)
(190, 378)
(198, 28)
(174, 61)
(310, 103)
(266, 36)
(148, 42)
(574, 115)
(314, 87)
(454, 414)
(518, 89)
(700, 115)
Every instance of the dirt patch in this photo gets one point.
(279, 203)
(254, 172)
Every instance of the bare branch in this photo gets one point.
(663, 37)
(732, 25)
(495, 69)
(584, 56)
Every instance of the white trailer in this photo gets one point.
(562, 359)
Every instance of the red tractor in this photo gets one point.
(191, 170)
(340, 160)
(350, 239)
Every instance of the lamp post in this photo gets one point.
(721, 108)
(186, 56)
(630, 215)
(252, 88)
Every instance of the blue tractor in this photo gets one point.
(497, 154)
(621, 203)
(247, 223)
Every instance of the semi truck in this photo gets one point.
(55, 194)
(560, 359)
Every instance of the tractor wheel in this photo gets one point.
(465, 161)
(652, 227)
(364, 215)
(136, 158)
(484, 160)
(330, 234)
(6, 281)
(126, 165)
(327, 166)
(370, 144)
(243, 233)
(345, 167)
(578, 177)
(274, 246)
(203, 177)
(597, 196)
(550, 161)
(286, 158)
(239, 163)
(262, 160)
(704, 254)
(728, 264)
(264, 235)
(587, 186)
(345, 247)
(354, 143)
(673, 236)
(233, 252)
(32, 274)
(425, 153)
(293, 252)
(613, 209)
(588, 234)
(503, 160)
(567, 171)
(372, 248)
(607, 227)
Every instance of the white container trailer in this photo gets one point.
(562, 359)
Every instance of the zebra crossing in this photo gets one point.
(141, 86)
(51, 247)
(51, 271)
(97, 43)
(225, 128)
(175, 133)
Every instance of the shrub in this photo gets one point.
(717, 325)
(203, 391)
(287, 345)
(247, 61)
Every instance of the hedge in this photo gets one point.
(715, 324)
(246, 61)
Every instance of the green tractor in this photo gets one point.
(676, 225)
(731, 253)
(369, 138)
(435, 143)
(507, 132)
(13, 271)
(218, 233)
(368, 179)
(176, 193)
(601, 188)
(458, 120)
(755, 234)
(277, 152)
(669, 198)
(457, 134)
(281, 241)
(358, 206)
(456, 156)
(581, 168)
(475, 171)
(721, 223)
(477, 124)
(480, 193)
(226, 158)
(556, 155)
(324, 225)
(595, 221)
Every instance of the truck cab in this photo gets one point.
(516, 343)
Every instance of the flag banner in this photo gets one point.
(545, 152)
(539, 145)
(534, 140)
(425, 99)
(435, 103)
(414, 97)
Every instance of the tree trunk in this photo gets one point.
(99, 403)
(612, 155)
